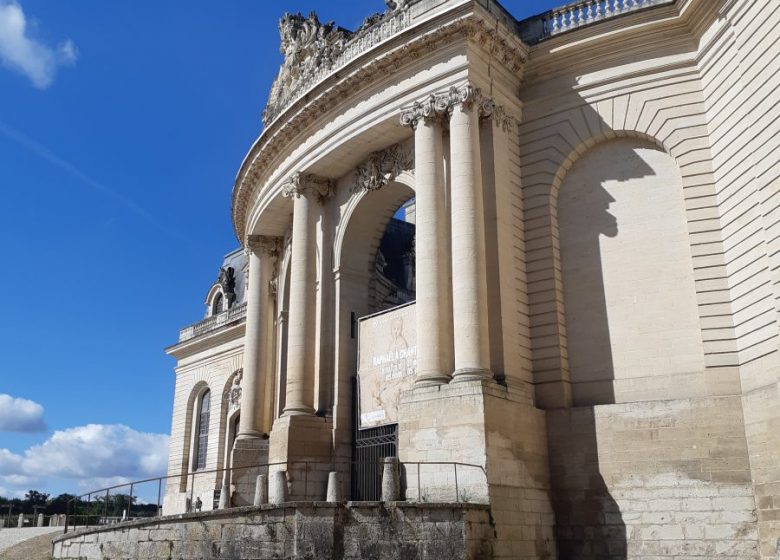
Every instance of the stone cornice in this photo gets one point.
(469, 97)
(282, 132)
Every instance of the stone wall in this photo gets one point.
(482, 423)
(307, 530)
(653, 479)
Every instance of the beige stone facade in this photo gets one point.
(595, 274)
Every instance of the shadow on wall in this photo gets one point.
(588, 521)
(585, 223)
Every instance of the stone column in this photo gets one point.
(469, 284)
(433, 305)
(308, 193)
(262, 252)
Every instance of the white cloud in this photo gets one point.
(10, 463)
(98, 450)
(26, 55)
(20, 415)
(87, 458)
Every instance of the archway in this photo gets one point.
(374, 273)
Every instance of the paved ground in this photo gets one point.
(33, 543)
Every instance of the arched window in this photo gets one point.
(202, 433)
(218, 305)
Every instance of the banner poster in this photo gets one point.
(387, 362)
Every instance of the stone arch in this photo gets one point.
(597, 274)
(364, 223)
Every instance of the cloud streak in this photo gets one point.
(46, 154)
(20, 415)
(23, 54)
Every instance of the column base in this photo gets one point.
(303, 443)
(431, 379)
(249, 459)
(298, 411)
(471, 374)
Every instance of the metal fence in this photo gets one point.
(433, 482)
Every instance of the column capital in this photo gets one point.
(266, 244)
(438, 105)
(308, 184)
(423, 110)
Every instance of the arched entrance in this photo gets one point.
(377, 276)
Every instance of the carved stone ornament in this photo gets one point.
(397, 4)
(312, 50)
(308, 184)
(382, 167)
(307, 45)
(467, 96)
(234, 397)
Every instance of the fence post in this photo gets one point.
(192, 489)
(159, 495)
(130, 502)
(457, 494)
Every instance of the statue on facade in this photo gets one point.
(227, 279)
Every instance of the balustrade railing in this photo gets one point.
(213, 323)
(579, 14)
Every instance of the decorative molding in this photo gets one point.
(382, 167)
(440, 104)
(282, 132)
(308, 184)
(503, 120)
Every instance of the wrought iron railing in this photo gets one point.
(431, 482)
(579, 14)
(209, 324)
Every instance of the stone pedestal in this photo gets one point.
(305, 444)
(247, 454)
(261, 490)
(499, 431)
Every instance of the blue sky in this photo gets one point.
(122, 125)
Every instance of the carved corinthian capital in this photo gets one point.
(466, 96)
(307, 184)
(425, 109)
(265, 244)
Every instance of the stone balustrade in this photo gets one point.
(579, 14)
(209, 324)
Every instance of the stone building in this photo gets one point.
(590, 364)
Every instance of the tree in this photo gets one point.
(35, 498)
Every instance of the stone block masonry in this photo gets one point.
(303, 530)
(654, 479)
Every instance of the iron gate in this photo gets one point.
(369, 448)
